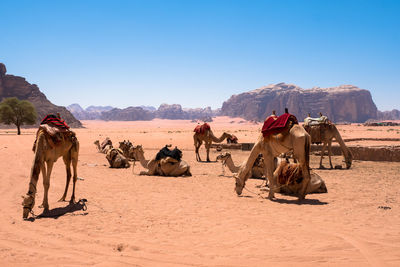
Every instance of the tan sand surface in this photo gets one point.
(199, 220)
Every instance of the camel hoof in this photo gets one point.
(25, 213)
(61, 199)
(322, 167)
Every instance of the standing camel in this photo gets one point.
(46, 154)
(204, 134)
(293, 137)
(324, 133)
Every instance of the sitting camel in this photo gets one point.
(125, 146)
(323, 131)
(105, 146)
(289, 179)
(316, 184)
(279, 135)
(50, 144)
(162, 166)
(256, 172)
(204, 133)
(116, 159)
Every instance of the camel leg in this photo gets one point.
(43, 169)
(330, 152)
(322, 155)
(46, 185)
(269, 174)
(67, 162)
(74, 156)
(197, 145)
(208, 145)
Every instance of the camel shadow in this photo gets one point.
(58, 212)
(300, 202)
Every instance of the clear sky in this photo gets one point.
(199, 53)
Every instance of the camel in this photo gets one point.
(105, 146)
(204, 134)
(47, 151)
(289, 177)
(116, 159)
(256, 172)
(324, 132)
(125, 147)
(164, 167)
(316, 184)
(293, 137)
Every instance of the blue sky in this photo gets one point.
(199, 53)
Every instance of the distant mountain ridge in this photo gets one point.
(16, 86)
(165, 111)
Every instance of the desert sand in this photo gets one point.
(199, 220)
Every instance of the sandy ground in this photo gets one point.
(196, 221)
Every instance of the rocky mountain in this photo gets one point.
(90, 113)
(16, 86)
(389, 115)
(127, 114)
(345, 103)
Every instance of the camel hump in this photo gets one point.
(274, 126)
(201, 129)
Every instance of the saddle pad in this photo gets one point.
(200, 129)
(54, 121)
(274, 126)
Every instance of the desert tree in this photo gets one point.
(17, 112)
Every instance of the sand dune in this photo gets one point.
(199, 220)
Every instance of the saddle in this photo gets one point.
(201, 129)
(290, 174)
(54, 135)
(275, 125)
(315, 121)
(166, 152)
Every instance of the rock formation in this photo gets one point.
(389, 115)
(15, 86)
(90, 113)
(127, 114)
(345, 103)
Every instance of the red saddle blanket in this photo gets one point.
(53, 120)
(276, 125)
(200, 129)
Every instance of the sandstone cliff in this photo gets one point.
(15, 86)
(345, 103)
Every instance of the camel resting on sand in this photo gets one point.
(125, 146)
(166, 166)
(204, 134)
(256, 172)
(116, 159)
(105, 146)
(291, 187)
(324, 132)
(291, 137)
(51, 143)
(289, 179)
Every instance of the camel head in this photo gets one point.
(97, 142)
(223, 157)
(348, 159)
(239, 185)
(136, 151)
(28, 203)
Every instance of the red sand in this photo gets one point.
(197, 221)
